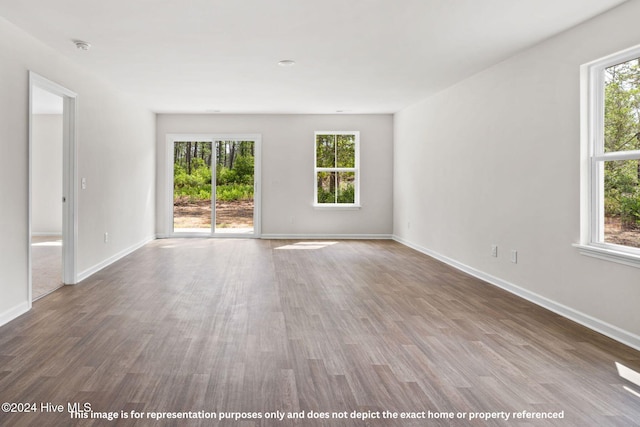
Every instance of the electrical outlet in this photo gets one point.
(514, 256)
(83, 183)
(494, 251)
(106, 237)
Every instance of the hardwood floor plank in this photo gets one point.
(240, 325)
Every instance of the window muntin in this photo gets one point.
(336, 169)
(614, 152)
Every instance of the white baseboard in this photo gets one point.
(14, 312)
(611, 331)
(92, 270)
(303, 236)
(327, 236)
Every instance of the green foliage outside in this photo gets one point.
(622, 133)
(192, 174)
(335, 151)
(345, 196)
(233, 192)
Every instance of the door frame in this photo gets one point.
(172, 138)
(69, 177)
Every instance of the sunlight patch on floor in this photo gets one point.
(307, 245)
(629, 375)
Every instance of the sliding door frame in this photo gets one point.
(257, 174)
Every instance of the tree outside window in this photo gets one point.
(619, 157)
(336, 168)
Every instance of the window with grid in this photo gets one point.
(613, 147)
(337, 169)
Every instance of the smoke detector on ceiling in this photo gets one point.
(82, 45)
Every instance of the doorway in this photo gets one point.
(215, 186)
(46, 192)
(52, 219)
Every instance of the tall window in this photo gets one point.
(614, 154)
(336, 168)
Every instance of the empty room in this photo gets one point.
(320, 213)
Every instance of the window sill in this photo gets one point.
(609, 254)
(334, 207)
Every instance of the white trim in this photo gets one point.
(336, 207)
(14, 312)
(70, 225)
(618, 155)
(615, 58)
(172, 138)
(336, 169)
(607, 253)
(611, 331)
(592, 158)
(257, 185)
(327, 236)
(92, 270)
(199, 235)
(70, 178)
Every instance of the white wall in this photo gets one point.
(46, 166)
(287, 170)
(116, 153)
(495, 160)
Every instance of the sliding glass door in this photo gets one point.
(234, 201)
(215, 186)
(192, 189)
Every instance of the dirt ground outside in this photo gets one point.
(615, 233)
(239, 214)
(236, 214)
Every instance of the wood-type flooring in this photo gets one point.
(46, 267)
(260, 329)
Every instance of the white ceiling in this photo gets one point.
(360, 56)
